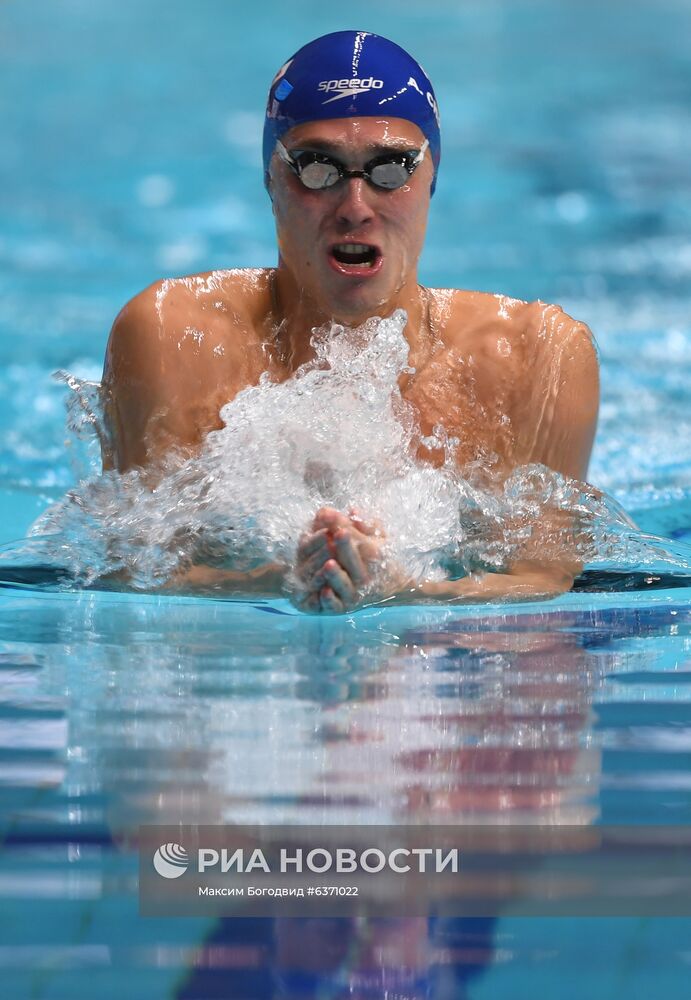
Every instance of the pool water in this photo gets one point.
(130, 149)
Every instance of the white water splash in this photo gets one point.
(338, 433)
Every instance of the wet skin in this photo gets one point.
(516, 382)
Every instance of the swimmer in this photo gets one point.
(351, 155)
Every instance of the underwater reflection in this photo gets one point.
(238, 713)
(212, 717)
(180, 711)
(514, 736)
(415, 958)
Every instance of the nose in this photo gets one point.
(354, 207)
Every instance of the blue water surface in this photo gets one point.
(130, 149)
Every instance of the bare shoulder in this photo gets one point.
(174, 356)
(566, 350)
(550, 324)
(192, 317)
(534, 360)
(509, 325)
(557, 350)
(476, 317)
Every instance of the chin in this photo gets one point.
(358, 306)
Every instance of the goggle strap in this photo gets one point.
(421, 155)
(283, 154)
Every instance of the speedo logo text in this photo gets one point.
(348, 88)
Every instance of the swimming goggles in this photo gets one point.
(317, 171)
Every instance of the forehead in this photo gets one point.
(357, 133)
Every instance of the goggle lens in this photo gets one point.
(317, 174)
(318, 171)
(391, 175)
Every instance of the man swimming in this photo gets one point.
(351, 154)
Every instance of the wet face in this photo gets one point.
(351, 249)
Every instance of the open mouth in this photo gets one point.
(359, 257)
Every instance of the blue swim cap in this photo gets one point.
(350, 74)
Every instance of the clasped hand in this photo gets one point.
(337, 562)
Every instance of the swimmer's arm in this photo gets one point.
(146, 392)
(531, 579)
(200, 579)
(265, 581)
(334, 587)
(565, 440)
(149, 377)
(564, 444)
(525, 582)
(131, 384)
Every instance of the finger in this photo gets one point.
(329, 601)
(311, 542)
(325, 515)
(371, 552)
(329, 517)
(368, 548)
(310, 567)
(344, 549)
(366, 527)
(349, 557)
(313, 603)
(334, 576)
(308, 601)
(307, 571)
